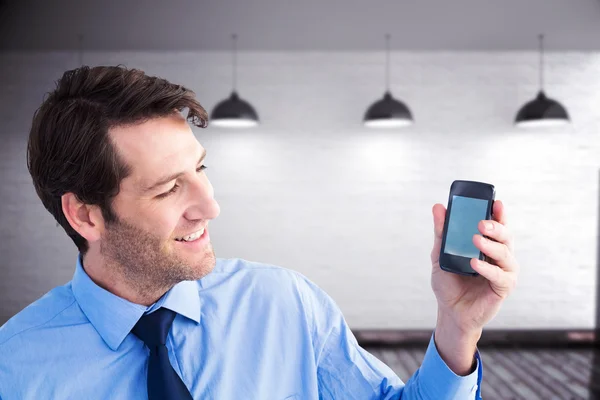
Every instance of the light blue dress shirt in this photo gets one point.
(245, 331)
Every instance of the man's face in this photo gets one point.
(152, 212)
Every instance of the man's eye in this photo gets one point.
(160, 196)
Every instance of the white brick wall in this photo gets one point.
(312, 190)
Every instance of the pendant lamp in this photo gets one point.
(387, 112)
(234, 112)
(542, 111)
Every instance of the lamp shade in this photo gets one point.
(234, 112)
(388, 113)
(542, 112)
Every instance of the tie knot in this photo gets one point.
(153, 328)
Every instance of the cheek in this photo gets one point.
(160, 222)
(167, 224)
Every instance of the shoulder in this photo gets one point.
(273, 280)
(45, 310)
(256, 271)
(294, 293)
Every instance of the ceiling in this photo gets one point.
(303, 25)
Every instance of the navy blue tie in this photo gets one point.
(163, 381)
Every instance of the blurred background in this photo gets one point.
(313, 188)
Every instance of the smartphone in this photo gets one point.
(469, 202)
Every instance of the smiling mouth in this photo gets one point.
(190, 238)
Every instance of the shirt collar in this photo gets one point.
(113, 317)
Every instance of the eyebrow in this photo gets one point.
(171, 177)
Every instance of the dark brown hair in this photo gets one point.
(69, 149)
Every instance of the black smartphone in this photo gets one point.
(469, 202)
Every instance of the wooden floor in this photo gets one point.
(518, 373)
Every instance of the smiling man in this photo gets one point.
(151, 313)
(160, 235)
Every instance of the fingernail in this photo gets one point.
(489, 226)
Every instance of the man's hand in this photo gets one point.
(467, 303)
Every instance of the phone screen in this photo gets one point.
(465, 214)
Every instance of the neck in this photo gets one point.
(113, 277)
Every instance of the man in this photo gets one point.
(151, 313)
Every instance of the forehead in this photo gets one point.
(156, 146)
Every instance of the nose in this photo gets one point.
(202, 203)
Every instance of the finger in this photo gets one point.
(499, 212)
(439, 214)
(501, 281)
(489, 271)
(494, 250)
(498, 252)
(496, 231)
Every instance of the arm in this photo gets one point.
(456, 348)
(347, 371)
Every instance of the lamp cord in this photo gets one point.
(80, 50)
(541, 37)
(387, 63)
(234, 37)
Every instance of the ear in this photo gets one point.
(85, 219)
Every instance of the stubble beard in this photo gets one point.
(146, 262)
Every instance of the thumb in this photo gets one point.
(439, 214)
